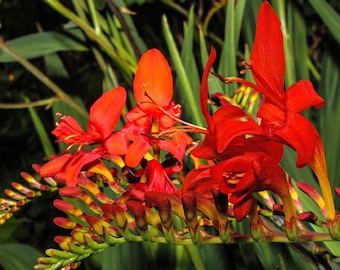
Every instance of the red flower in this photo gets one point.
(228, 129)
(151, 122)
(239, 177)
(280, 112)
(104, 115)
(154, 178)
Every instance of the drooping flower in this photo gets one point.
(151, 123)
(104, 115)
(155, 178)
(240, 177)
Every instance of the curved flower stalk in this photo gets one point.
(22, 195)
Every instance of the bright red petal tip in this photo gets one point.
(268, 44)
(106, 111)
(153, 83)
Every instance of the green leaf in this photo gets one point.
(282, 256)
(330, 17)
(184, 83)
(7, 230)
(39, 127)
(15, 256)
(329, 116)
(227, 65)
(298, 39)
(232, 31)
(188, 58)
(39, 44)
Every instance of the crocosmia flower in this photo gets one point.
(151, 124)
(280, 112)
(100, 136)
(153, 83)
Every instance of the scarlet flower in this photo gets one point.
(280, 112)
(239, 177)
(151, 122)
(104, 115)
(228, 127)
(155, 178)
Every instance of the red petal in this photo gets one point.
(77, 162)
(272, 116)
(116, 144)
(153, 84)
(267, 58)
(301, 96)
(158, 180)
(228, 130)
(67, 127)
(136, 152)
(176, 145)
(199, 181)
(204, 92)
(243, 209)
(106, 111)
(55, 166)
(207, 149)
(300, 134)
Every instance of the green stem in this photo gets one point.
(22, 105)
(43, 78)
(195, 256)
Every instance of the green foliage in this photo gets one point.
(41, 44)
(17, 256)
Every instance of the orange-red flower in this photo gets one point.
(154, 178)
(280, 112)
(104, 115)
(151, 122)
(239, 177)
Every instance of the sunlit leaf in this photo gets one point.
(39, 44)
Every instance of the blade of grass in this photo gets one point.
(184, 83)
(126, 68)
(39, 44)
(39, 127)
(330, 17)
(298, 34)
(227, 65)
(290, 78)
(188, 59)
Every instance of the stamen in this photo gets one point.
(195, 127)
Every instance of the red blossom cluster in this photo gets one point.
(241, 153)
